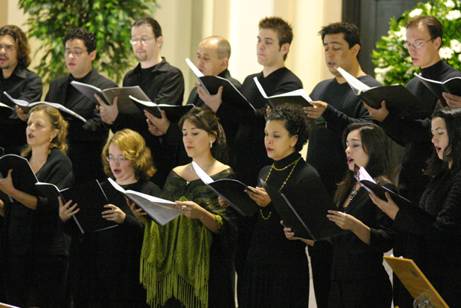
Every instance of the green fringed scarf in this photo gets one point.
(175, 262)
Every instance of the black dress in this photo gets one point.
(108, 264)
(435, 230)
(326, 154)
(276, 272)
(35, 246)
(358, 278)
(86, 140)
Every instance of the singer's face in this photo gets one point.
(197, 142)
(338, 52)
(121, 168)
(39, 131)
(278, 141)
(355, 152)
(440, 138)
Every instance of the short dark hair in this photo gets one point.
(294, 121)
(350, 31)
(21, 41)
(452, 118)
(283, 29)
(156, 29)
(432, 24)
(88, 38)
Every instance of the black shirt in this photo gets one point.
(249, 150)
(22, 84)
(85, 139)
(326, 150)
(163, 84)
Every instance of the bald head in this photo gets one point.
(213, 54)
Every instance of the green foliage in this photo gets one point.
(391, 59)
(110, 20)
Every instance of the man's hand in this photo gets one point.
(317, 109)
(453, 101)
(212, 101)
(22, 113)
(108, 113)
(157, 126)
(379, 114)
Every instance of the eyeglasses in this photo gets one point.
(74, 52)
(142, 40)
(119, 159)
(7, 47)
(418, 44)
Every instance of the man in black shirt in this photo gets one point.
(19, 82)
(85, 139)
(163, 84)
(213, 55)
(335, 106)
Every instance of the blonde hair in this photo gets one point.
(134, 149)
(58, 123)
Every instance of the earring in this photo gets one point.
(211, 144)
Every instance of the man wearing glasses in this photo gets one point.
(424, 39)
(163, 84)
(85, 139)
(19, 82)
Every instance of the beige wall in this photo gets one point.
(185, 22)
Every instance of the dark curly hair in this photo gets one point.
(294, 121)
(22, 44)
(88, 38)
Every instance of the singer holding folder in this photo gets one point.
(434, 225)
(105, 268)
(35, 247)
(276, 273)
(189, 261)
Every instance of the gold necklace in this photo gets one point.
(266, 217)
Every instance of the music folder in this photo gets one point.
(24, 178)
(310, 223)
(415, 281)
(91, 198)
(230, 189)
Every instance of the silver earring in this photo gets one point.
(211, 144)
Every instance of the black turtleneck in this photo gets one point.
(440, 71)
(272, 258)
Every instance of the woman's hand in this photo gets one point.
(389, 207)
(137, 211)
(190, 209)
(113, 213)
(258, 195)
(67, 210)
(343, 220)
(290, 235)
(223, 202)
(6, 184)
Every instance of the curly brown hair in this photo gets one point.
(22, 44)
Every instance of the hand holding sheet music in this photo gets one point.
(161, 210)
(232, 190)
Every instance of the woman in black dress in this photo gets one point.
(109, 259)
(435, 224)
(35, 247)
(276, 271)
